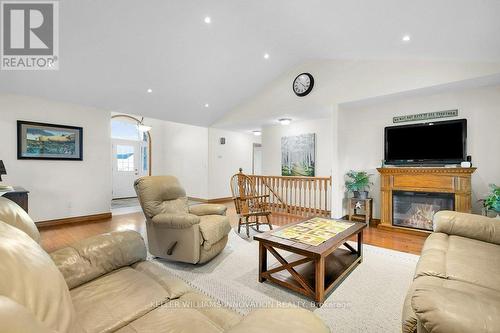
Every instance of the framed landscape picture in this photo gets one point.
(298, 155)
(48, 141)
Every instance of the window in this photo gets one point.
(145, 159)
(125, 130)
(125, 158)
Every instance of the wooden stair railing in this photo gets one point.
(300, 196)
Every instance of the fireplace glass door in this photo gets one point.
(416, 209)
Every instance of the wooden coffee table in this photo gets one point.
(313, 271)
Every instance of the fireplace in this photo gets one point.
(452, 183)
(416, 209)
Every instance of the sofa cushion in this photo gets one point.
(461, 259)
(14, 215)
(222, 317)
(191, 313)
(213, 228)
(174, 286)
(171, 319)
(114, 300)
(29, 277)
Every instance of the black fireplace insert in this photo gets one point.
(416, 209)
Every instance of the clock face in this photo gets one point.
(303, 84)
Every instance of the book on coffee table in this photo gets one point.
(314, 231)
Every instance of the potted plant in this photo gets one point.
(492, 201)
(358, 182)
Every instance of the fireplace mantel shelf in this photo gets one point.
(456, 181)
(425, 170)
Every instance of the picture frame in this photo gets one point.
(42, 141)
(298, 155)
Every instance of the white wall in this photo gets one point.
(257, 160)
(361, 138)
(180, 150)
(186, 156)
(158, 148)
(59, 189)
(341, 81)
(225, 160)
(271, 144)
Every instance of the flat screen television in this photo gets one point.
(440, 142)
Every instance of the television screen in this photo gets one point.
(434, 142)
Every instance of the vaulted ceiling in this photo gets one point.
(112, 52)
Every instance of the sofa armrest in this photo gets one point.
(175, 221)
(280, 320)
(208, 209)
(95, 256)
(468, 225)
(443, 310)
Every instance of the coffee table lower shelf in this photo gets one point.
(313, 277)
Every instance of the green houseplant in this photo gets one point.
(492, 201)
(358, 182)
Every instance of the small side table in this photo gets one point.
(19, 195)
(365, 204)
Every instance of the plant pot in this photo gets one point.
(360, 194)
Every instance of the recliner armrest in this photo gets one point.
(280, 320)
(176, 221)
(208, 209)
(468, 225)
(95, 256)
(443, 310)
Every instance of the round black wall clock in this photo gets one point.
(303, 84)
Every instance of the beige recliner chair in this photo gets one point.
(176, 231)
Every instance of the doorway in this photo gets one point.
(130, 158)
(126, 167)
(257, 159)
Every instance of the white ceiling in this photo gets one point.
(112, 51)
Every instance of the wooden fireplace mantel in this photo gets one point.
(422, 179)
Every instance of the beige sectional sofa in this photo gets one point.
(105, 284)
(456, 286)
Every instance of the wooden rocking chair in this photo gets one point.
(250, 207)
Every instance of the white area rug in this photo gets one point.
(370, 299)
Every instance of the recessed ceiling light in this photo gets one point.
(285, 121)
(406, 38)
(257, 133)
(206, 105)
(150, 90)
(266, 55)
(208, 20)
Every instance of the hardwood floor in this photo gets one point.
(56, 237)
